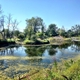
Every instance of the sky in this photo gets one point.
(60, 12)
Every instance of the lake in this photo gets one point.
(17, 60)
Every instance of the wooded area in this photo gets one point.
(35, 30)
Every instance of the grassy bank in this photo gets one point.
(37, 42)
(50, 40)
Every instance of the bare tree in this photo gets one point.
(0, 19)
(9, 24)
(15, 23)
(2, 24)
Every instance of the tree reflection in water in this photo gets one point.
(23, 57)
(52, 52)
(35, 50)
(8, 51)
(51, 49)
(75, 47)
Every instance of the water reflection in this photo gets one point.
(65, 45)
(8, 51)
(20, 57)
(75, 47)
(46, 54)
(34, 50)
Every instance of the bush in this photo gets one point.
(33, 37)
(36, 41)
(41, 42)
(52, 40)
(29, 41)
(39, 35)
(21, 36)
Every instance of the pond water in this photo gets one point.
(21, 59)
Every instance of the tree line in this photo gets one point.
(35, 28)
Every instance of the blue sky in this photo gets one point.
(61, 12)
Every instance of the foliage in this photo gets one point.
(51, 40)
(61, 31)
(6, 42)
(35, 30)
(35, 50)
(39, 35)
(33, 37)
(52, 30)
(52, 51)
(34, 25)
(21, 36)
(41, 42)
(16, 33)
(29, 41)
(36, 41)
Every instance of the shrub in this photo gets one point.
(29, 41)
(21, 36)
(36, 41)
(51, 40)
(33, 37)
(41, 42)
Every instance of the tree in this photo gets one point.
(6, 33)
(30, 32)
(2, 24)
(9, 24)
(52, 30)
(34, 25)
(21, 36)
(14, 26)
(69, 33)
(61, 31)
(16, 33)
(75, 30)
